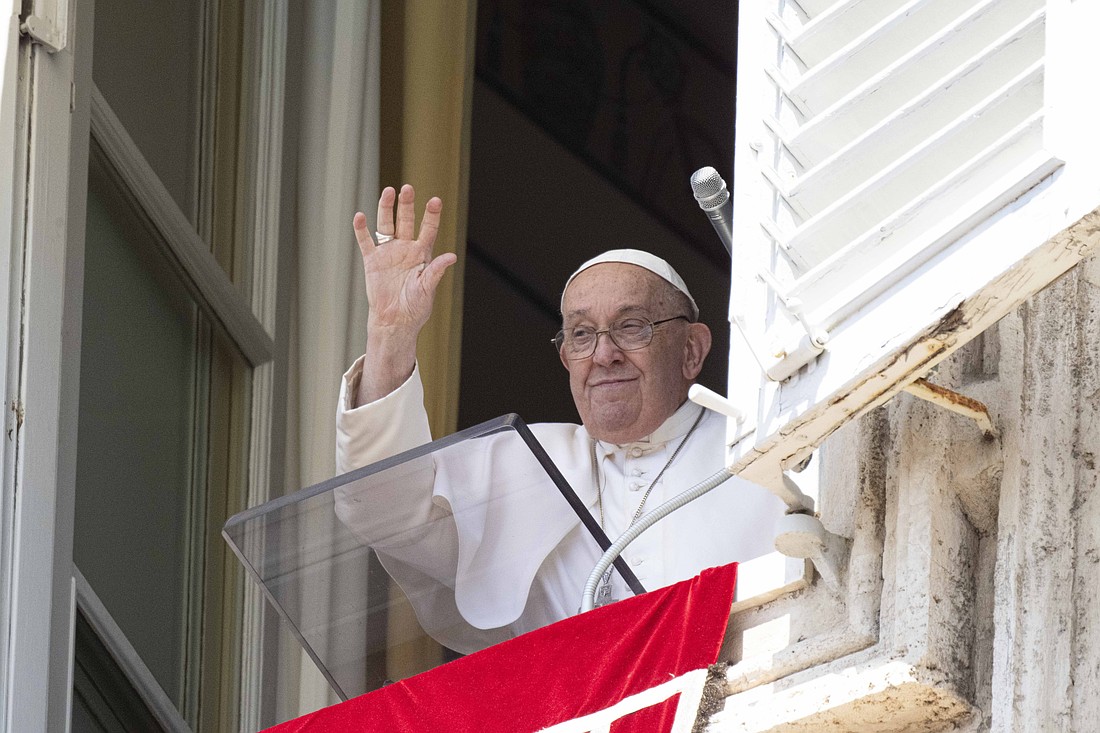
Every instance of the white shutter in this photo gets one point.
(906, 172)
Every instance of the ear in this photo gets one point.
(696, 348)
(564, 361)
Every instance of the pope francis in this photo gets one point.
(632, 344)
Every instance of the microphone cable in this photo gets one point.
(588, 602)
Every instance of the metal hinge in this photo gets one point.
(44, 32)
(20, 414)
(790, 348)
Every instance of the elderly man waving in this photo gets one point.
(632, 344)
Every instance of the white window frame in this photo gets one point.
(41, 371)
(46, 102)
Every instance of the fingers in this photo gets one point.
(429, 225)
(437, 268)
(406, 214)
(362, 234)
(384, 220)
(404, 227)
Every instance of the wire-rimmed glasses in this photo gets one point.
(629, 334)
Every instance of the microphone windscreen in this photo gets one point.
(709, 188)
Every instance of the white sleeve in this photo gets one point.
(396, 512)
(402, 499)
(380, 429)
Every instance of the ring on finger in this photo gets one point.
(380, 238)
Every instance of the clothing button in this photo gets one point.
(637, 472)
(636, 451)
(634, 486)
(636, 561)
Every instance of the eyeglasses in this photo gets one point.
(629, 334)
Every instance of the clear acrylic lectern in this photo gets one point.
(453, 532)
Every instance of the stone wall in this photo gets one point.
(970, 596)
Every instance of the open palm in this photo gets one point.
(401, 276)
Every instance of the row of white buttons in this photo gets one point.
(637, 452)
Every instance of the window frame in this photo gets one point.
(46, 124)
(44, 112)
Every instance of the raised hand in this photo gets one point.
(401, 278)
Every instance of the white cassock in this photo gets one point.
(526, 566)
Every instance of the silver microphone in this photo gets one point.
(714, 199)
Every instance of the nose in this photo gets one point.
(607, 351)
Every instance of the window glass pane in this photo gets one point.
(134, 462)
(147, 57)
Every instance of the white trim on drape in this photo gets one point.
(337, 175)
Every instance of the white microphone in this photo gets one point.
(714, 199)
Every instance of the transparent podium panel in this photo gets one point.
(396, 567)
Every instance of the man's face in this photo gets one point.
(623, 396)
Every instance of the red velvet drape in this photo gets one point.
(563, 671)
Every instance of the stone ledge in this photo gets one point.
(878, 696)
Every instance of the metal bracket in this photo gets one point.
(43, 32)
(955, 402)
(796, 347)
(804, 536)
